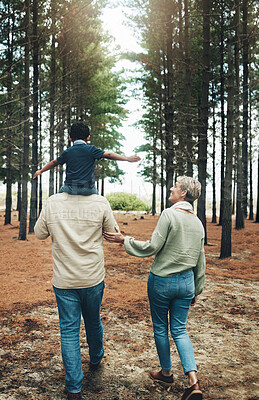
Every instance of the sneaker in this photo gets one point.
(159, 377)
(72, 396)
(193, 393)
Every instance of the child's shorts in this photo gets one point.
(84, 191)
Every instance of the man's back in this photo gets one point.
(75, 224)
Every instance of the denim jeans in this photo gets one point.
(172, 296)
(71, 304)
(82, 190)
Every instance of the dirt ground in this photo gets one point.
(223, 325)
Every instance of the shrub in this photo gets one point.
(127, 202)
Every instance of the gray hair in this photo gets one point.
(192, 186)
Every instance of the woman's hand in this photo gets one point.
(194, 301)
(114, 237)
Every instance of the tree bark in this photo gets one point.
(35, 100)
(8, 198)
(188, 121)
(154, 179)
(52, 94)
(24, 202)
(227, 211)
(202, 145)
(222, 103)
(257, 207)
(169, 113)
(245, 109)
(214, 202)
(251, 211)
(239, 211)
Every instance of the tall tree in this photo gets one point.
(25, 168)
(222, 108)
(245, 107)
(52, 93)
(189, 171)
(225, 250)
(239, 211)
(35, 124)
(9, 135)
(169, 111)
(202, 145)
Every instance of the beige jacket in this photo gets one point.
(75, 224)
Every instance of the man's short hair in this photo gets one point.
(79, 131)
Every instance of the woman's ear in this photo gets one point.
(184, 193)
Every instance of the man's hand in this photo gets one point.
(37, 173)
(134, 158)
(114, 237)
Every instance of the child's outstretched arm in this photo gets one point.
(50, 165)
(118, 157)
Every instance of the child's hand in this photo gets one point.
(37, 173)
(134, 158)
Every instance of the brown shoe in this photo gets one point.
(193, 393)
(72, 396)
(159, 377)
(95, 367)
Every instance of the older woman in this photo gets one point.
(177, 276)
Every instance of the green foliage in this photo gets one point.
(127, 202)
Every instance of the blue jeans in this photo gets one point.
(71, 304)
(172, 296)
(82, 190)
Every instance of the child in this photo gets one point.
(79, 160)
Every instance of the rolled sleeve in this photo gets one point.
(150, 247)
(41, 229)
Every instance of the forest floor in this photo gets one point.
(223, 325)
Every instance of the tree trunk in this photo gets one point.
(222, 103)
(179, 125)
(52, 95)
(214, 213)
(8, 198)
(154, 172)
(251, 211)
(20, 156)
(35, 100)
(169, 114)
(239, 211)
(257, 208)
(40, 153)
(187, 100)
(245, 108)
(102, 187)
(162, 155)
(202, 145)
(24, 203)
(227, 212)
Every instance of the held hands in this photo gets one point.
(37, 173)
(114, 237)
(134, 158)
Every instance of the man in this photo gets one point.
(75, 224)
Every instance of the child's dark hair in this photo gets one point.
(79, 131)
